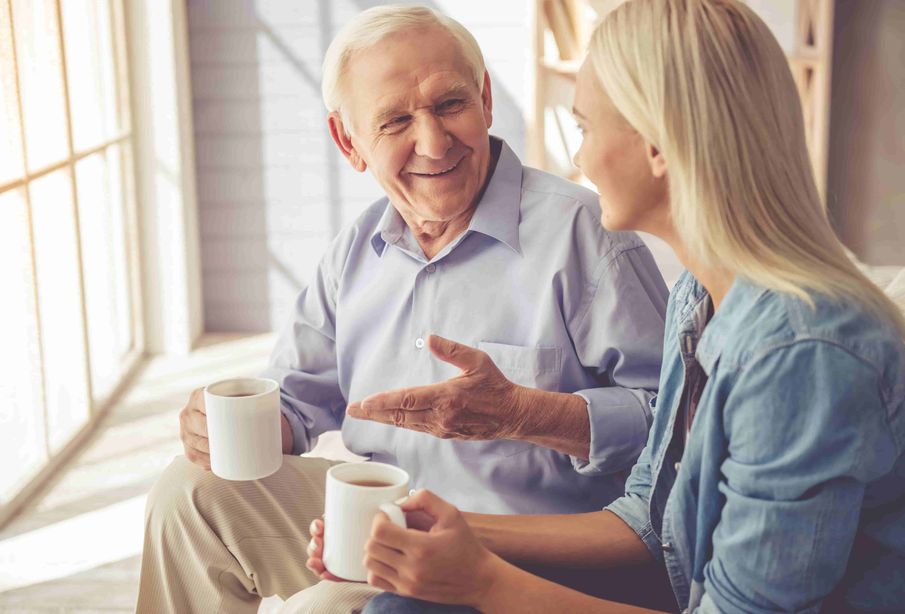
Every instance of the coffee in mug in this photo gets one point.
(355, 492)
(244, 428)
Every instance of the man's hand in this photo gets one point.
(480, 403)
(193, 430)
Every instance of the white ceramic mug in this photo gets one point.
(243, 428)
(350, 510)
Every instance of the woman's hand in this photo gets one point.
(443, 562)
(316, 552)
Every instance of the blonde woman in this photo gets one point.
(773, 479)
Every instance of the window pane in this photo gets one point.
(22, 449)
(59, 302)
(89, 63)
(10, 143)
(41, 81)
(105, 262)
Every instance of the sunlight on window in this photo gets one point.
(41, 81)
(89, 64)
(105, 261)
(10, 141)
(59, 301)
(21, 416)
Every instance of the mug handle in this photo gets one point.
(395, 513)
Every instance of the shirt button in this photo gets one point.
(431, 268)
(667, 547)
(419, 343)
(676, 467)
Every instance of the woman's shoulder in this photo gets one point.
(761, 323)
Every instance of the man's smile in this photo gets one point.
(439, 172)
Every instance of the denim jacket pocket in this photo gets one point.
(534, 367)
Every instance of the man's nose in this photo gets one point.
(431, 138)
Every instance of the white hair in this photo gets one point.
(373, 25)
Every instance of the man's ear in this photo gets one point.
(487, 100)
(657, 161)
(343, 140)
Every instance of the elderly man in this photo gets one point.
(532, 398)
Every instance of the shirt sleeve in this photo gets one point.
(304, 364)
(620, 336)
(806, 432)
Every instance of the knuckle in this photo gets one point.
(408, 400)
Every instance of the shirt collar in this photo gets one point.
(497, 214)
(709, 345)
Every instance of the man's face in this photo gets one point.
(415, 116)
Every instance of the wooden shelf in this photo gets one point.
(557, 64)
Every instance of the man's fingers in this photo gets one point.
(201, 444)
(197, 457)
(409, 399)
(198, 422)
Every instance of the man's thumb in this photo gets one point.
(463, 356)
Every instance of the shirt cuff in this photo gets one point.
(300, 443)
(619, 420)
(633, 510)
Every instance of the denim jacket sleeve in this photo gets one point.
(807, 430)
(633, 508)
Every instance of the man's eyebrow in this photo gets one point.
(457, 89)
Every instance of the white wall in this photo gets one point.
(866, 187)
(272, 189)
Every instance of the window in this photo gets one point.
(69, 325)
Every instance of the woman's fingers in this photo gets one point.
(383, 554)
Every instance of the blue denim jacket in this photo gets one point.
(789, 495)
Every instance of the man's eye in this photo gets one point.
(396, 122)
(452, 105)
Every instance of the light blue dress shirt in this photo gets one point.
(556, 301)
(790, 493)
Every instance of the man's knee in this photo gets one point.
(174, 491)
(388, 603)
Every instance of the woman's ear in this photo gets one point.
(343, 140)
(657, 162)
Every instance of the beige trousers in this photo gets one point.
(213, 545)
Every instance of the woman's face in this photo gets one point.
(630, 175)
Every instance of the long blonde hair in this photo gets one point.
(707, 84)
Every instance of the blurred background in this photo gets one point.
(167, 186)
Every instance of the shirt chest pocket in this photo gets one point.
(526, 366)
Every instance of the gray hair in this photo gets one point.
(372, 26)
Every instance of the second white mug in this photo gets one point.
(355, 492)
